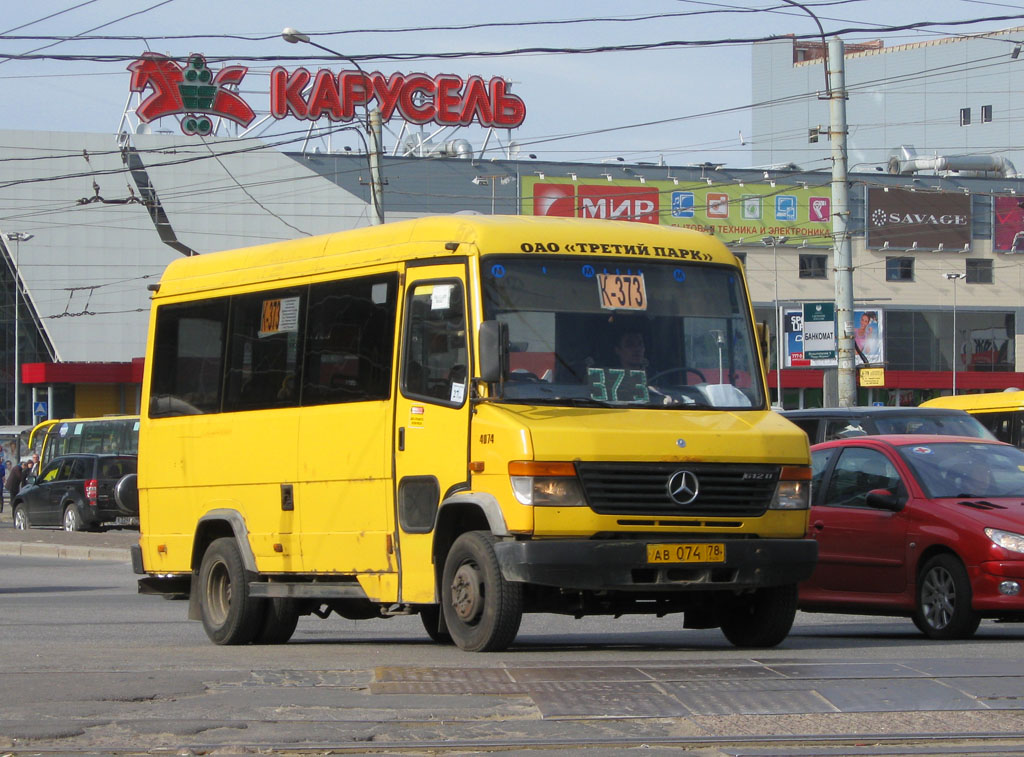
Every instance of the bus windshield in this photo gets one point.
(658, 334)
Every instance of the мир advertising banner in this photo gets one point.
(908, 219)
(730, 212)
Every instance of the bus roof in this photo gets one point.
(432, 237)
(985, 402)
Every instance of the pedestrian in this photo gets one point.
(13, 482)
(3, 478)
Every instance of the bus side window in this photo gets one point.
(350, 342)
(188, 358)
(263, 350)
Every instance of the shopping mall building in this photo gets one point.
(91, 220)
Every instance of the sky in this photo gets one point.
(676, 103)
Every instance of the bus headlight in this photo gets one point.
(546, 484)
(793, 492)
(1006, 539)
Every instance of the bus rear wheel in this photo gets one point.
(230, 615)
(481, 609)
(279, 621)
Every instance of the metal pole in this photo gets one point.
(774, 242)
(953, 356)
(842, 255)
(954, 277)
(778, 325)
(373, 126)
(17, 351)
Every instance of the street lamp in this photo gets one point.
(774, 243)
(373, 123)
(17, 237)
(954, 277)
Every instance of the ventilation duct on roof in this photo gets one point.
(907, 161)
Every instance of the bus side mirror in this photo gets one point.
(493, 351)
(762, 339)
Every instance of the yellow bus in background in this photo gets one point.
(1002, 413)
(64, 436)
(468, 418)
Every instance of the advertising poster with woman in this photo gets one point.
(867, 337)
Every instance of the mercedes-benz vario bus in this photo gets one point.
(468, 418)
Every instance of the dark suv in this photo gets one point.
(78, 493)
(824, 424)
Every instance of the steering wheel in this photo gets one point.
(524, 376)
(683, 369)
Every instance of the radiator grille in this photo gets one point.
(735, 490)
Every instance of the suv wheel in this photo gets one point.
(72, 520)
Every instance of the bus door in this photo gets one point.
(431, 415)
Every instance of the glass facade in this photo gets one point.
(924, 341)
(31, 346)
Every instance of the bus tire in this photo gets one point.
(279, 621)
(230, 615)
(430, 616)
(481, 609)
(761, 619)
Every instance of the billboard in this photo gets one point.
(1009, 224)
(908, 219)
(868, 339)
(730, 212)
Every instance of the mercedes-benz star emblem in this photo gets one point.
(683, 487)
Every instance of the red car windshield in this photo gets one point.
(962, 469)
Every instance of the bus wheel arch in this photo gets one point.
(214, 525)
(460, 514)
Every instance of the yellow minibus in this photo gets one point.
(1002, 413)
(468, 418)
(64, 436)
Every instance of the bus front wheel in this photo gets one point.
(230, 615)
(481, 609)
(762, 618)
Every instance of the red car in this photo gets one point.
(928, 527)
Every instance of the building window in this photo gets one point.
(965, 116)
(814, 266)
(899, 269)
(986, 114)
(979, 271)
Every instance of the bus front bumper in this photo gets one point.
(623, 565)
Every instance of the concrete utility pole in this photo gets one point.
(842, 256)
(376, 179)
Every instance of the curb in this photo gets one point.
(29, 549)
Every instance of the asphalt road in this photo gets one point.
(87, 665)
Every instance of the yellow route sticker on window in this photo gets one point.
(622, 291)
(279, 315)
